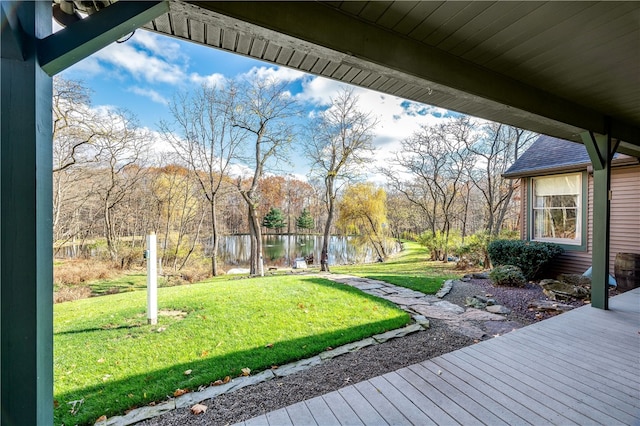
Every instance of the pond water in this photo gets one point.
(281, 250)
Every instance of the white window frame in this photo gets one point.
(567, 184)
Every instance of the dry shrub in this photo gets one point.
(195, 273)
(67, 293)
(78, 271)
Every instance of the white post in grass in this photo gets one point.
(152, 280)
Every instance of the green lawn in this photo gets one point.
(410, 268)
(106, 355)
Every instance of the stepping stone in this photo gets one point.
(477, 315)
(368, 286)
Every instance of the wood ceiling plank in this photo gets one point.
(436, 20)
(395, 13)
(373, 10)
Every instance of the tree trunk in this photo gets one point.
(215, 237)
(257, 265)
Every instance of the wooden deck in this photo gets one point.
(581, 367)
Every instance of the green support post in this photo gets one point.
(29, 54)
(601, 151)
(26, 252)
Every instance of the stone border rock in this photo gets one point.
(446, 288)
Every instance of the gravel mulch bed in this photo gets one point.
(357, 366)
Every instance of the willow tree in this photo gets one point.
(339, 142)
(362, 210)
(265, 111)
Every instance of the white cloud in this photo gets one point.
(149, 93)
(320, 90)
(161, 46)
(140, 64)
(276, 73)
(211, 80)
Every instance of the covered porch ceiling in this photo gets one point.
(557, 68)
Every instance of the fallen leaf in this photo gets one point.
(274, 367)
(329, 348)
(179, 392)
(187, 372)
(161, 329)
(56, 404)
(227, 379)
(246, 371)
(101, 360)
(102, 418)
(199, 409)
(218, 383)
(204, 353)
(268, 345)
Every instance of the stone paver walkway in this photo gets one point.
(421, 306)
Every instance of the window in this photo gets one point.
(557, 209)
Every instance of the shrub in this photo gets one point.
(440, 243)
(474, 250)
(79, 271)
(507, 275)
(67, 293)
(531, 257)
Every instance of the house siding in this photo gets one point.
(625, 223)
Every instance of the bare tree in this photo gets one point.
(430, 170)
(264, 110)
(204, 138)
(338, 143)
(73, 130)
(497, 149)
(120, 153)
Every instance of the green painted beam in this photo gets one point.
(11, 33)
(601, 151)
(321, 25)
(26, 275)
(83, 38)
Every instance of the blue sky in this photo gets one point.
(144, 72)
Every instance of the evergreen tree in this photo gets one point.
(274, 220)
(305, 221)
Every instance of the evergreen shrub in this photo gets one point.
(531, 257)
(507, 275)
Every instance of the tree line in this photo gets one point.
(220, 176)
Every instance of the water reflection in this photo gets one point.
(281, 250)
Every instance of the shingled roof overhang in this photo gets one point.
(556, 68)
(548, 155)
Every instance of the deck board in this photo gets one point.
(571, 368)
(321, 412)
(279, 417)
(556, 370)
(581, 367)
(364, 410)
